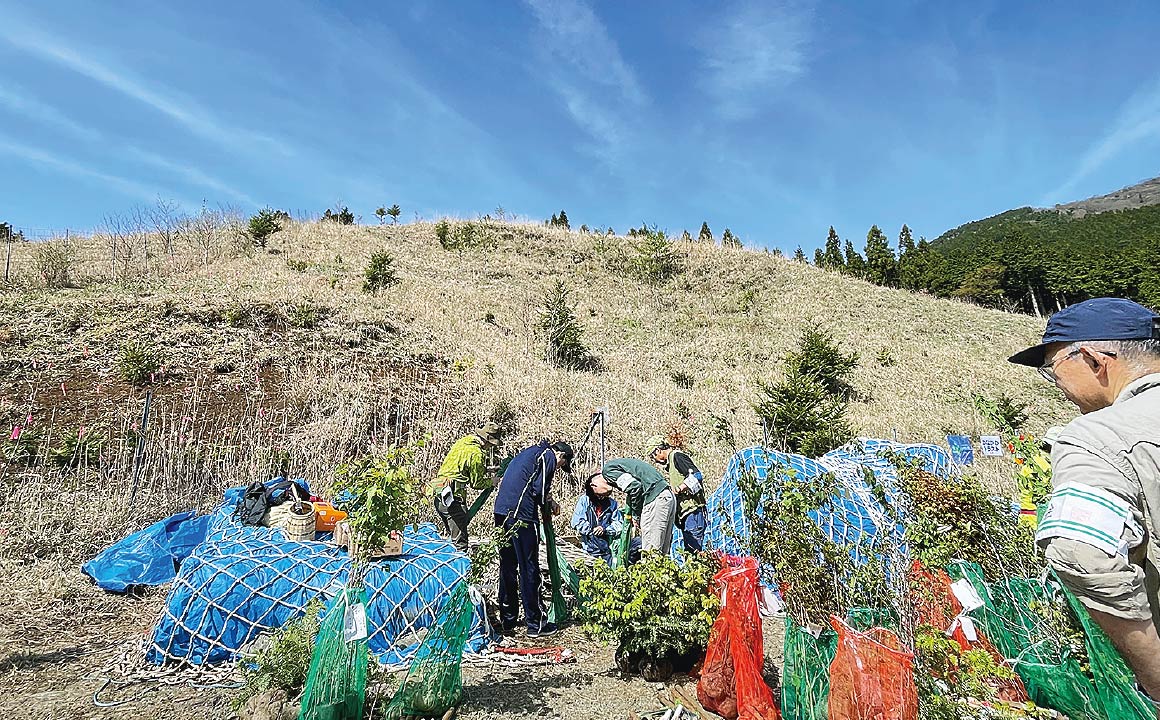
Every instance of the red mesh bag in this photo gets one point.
(872, 677)
(731, 682)
(938, 607)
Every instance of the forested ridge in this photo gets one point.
(1027, 259)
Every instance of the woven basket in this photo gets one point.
(300, 528)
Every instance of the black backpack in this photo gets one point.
(259, 498)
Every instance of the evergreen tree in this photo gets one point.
(984, 285)
(881, 265)
(706, 235)
(799, 255)
(553, 221)
(562, 221)
(832, 258)
(909, 264)
(686, 237)
(819, 258)
(728, 239)
(395, 211)
(855, 265)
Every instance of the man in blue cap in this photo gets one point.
(1104, 355)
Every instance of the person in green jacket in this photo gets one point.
(650, 499)
(465, 464)
(687, 483)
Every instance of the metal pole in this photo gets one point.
(602, 416)
(139, 451)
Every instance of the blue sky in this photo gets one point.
(776, 119)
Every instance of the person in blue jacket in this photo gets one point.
(598, 519)
(524, 491)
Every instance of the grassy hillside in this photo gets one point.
(265, 351)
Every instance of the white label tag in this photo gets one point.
(966, 594)
(991, 445)
(354, 623)
(815, 630)
(968, 626)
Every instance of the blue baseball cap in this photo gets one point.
(1096, 319)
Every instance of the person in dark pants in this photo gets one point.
(524, 490)
(464, 466)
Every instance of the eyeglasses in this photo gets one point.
(1048, 371)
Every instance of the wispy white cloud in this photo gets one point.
(753, 49)
(36, 156)
(19, 103)
(186, 112)
(583, 65)
(1138, 120)
(577, 37)
(189, 174)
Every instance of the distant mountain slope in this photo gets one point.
(1040, 259)
(1133, 196)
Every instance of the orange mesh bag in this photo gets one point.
(938, 607)
(872, 677)
(731, 682)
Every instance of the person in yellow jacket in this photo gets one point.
(465, 464)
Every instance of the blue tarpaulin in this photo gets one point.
(858, 520)
(245, 580)
(149, 556)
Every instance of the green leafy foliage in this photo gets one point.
(805, 412)
(653, 258)
(817, 577)
(955, 518)
(342, 217)
(77, 448)
(728, 239)
(562, 333)
(304, 314)
(881, 264)
(1001, 412)
(468, 235)
(384, 495)
(705, 235)
(263, 225)
(1051, 258)
(139, 363)
(832, 258)
(284, 660)
(655, 608)
(380, 273)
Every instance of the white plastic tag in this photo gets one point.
(815, 630)
(968, 626)
(354, 623)
(768, 603)
(966, 594)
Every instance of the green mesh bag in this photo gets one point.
(1052, 676)
(434, 681)
(805, 684)
(336, 683)
(1115, 682)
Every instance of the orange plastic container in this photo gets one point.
(326, 517)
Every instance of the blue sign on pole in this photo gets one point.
(961, 451)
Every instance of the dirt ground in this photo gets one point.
(52, 662)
